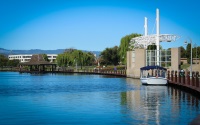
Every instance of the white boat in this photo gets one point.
(153, 75)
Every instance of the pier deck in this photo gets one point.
(120, 73)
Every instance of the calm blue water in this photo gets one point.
(53, 99)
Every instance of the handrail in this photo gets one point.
(182, 78)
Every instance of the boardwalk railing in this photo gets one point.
(182, 78)
(121, 73)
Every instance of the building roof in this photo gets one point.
(37, 60)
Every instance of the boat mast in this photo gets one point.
(157, 35)
(145, 32)
(145, 27)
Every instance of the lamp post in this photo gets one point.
(196, 52)
(190, 58)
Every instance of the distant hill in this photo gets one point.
(38, 51)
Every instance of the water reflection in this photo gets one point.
(159, 104)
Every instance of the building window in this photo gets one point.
(164, 58)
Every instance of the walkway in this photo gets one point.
(119, 73)
(182, 79)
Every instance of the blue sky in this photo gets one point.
(92, 24)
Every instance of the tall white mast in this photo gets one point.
(157, 35)
(145, 27)
(154, 39)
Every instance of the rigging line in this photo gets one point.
(143, 33)
(149, 37)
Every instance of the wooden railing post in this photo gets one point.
(172, 75)
(175, 76)
(179, 77)
(183, 78)
(197, 79)
(188, 78)
(193, 79)
(168, 75)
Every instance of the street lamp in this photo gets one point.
(196, 52)
(190, 58)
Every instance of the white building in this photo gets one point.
(27, 57)
(52, 57)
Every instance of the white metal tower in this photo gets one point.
(157, 35)
(154, 39)
(145, 26)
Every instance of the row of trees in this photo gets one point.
(110, 56)
(117, 55)
(186, 53)
(125, 46)
(72, 57)
(5, 62)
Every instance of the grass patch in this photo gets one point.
(185, 66)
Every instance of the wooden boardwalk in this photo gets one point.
(118, 73)
(184, 81)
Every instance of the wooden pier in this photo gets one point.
(180, 79)
(184, 81)
(118, 73)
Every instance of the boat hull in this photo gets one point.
(154, 81)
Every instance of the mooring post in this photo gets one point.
(183, 77)
(172, 75)
(188, 78)
(193, 79)
(175, 76)
(179, 77)
(168, 74)
(197, 79)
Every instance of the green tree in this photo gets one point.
(71, 57)
(110, 56)
(45, 57)
(183, 52)
(188, 52)
(151, 47)
(195, 51)
(60, 59)
(198, 52)
(3, 60)
(90, 59)
(124, 46)
(13, 63)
